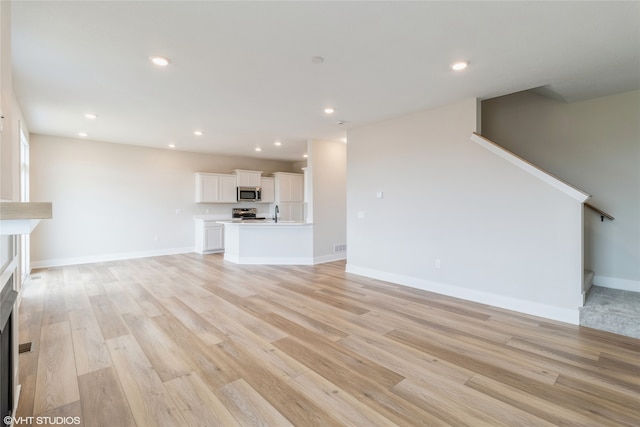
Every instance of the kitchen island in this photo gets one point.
(268, 242)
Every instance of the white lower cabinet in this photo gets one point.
(209, 236)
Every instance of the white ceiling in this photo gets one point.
(242, 71)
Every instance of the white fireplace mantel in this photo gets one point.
(22, 217)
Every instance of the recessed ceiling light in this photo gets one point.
(277, 143)
(329, 110)
(305, 155)
(198, 132)
(461, 65)
(82, 134)
(172, 145)
(317, 60)
(91, 116)
(160, 61)
(258, 149)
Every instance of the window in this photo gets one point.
(25, 242)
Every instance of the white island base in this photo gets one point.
(268, 243)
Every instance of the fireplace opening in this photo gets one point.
(7, 298)
(6, 391)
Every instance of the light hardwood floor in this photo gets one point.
(190, 340)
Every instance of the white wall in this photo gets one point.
(502, 236)
(9, 172)
(595, 145)
(110, 201)
(327, 170)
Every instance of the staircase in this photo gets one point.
(612, 310)
(588, 282)
(555, 182)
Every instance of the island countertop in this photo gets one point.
(262, 223)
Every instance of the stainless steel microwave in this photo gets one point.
(249, 194)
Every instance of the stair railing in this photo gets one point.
(602, 213)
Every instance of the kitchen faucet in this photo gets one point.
(277, 211)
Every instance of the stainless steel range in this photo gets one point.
(245, 214)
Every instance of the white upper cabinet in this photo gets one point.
(215, 188)
(248, 178)
(268, 190)
(228, 188)
(289, 187)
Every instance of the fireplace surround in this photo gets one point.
(7, 299)
(16, 218)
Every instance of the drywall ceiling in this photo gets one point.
(242, 72)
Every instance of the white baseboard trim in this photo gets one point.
(16, 398)
(329, 258)
(269, 261)
(561, 314)
(284, 260)
(615, 283)
(61, 262)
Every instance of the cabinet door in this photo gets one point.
(207, 188)
(289, 187)
(268, 190)
(285, 212)
(215, 188)
(297, 212)
(283, 188)
(227, 189)
(248, 178)
(214, 238)
(297, 188)
(292, 212)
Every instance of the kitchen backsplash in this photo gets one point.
(223, 210)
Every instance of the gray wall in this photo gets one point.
(110, 201)
(594, 145)
(502, 236)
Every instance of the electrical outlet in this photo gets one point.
(437, 263)
(155, 239)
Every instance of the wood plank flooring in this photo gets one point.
(190, 340)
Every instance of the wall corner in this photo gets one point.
(478, 129)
